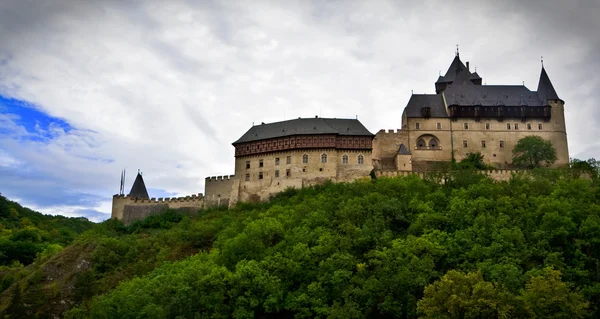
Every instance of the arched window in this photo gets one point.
(433, 143)
(305, 158)
(421, 143)
(324, 158)
(361, 159)
(345, 159)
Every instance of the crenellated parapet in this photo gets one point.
(218, 190)
(383, 132)
(496, 174)
(130, 208)
(161, 200)
(219, 178)
(387, 143)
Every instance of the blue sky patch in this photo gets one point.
(40, 125)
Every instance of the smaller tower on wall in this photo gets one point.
(138, 190)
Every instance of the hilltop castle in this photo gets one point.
(463, 116)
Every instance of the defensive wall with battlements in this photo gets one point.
(129, 209)
(218, 190)
(497, 174)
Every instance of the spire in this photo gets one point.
(455, 67)
(403, 150)
(138, 190)
(545, 89)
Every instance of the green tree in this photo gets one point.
(591, 167)
(533, 151)
(547, 296)
(459, 295)
(472, 161)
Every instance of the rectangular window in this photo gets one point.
(465, 143)
(483, 143)
(247, 177)
(487, 126)
(276, 173)
(288, 172)
(529, 126)
(417, 126)
(516, 126)
(247, 164)
(439, 126)
(276, 160)
(501, 144)
(508, 126)
(540, 126)
(288, 160)
(466, 125)
(260, 163)
(260, 175)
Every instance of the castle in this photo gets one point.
(463, 116)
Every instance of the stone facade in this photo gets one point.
(129, 208)
(262, 175)
(493, 138)
(463, 116)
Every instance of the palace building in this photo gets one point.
(462, 116)
(295, 153)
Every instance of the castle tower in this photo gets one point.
(550, 99)
(138, 190)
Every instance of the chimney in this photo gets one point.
(468, 66)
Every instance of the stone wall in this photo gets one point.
(498, 175)
(122, 204)
(218, 190)
(387, 143)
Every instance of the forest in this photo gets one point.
(452, 245)
(26, 235)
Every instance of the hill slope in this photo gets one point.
(399, 247)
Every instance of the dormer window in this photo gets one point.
(426, 112)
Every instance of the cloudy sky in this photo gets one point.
(88, 88)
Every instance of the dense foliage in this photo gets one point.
(388, 247)
(100, 258)
(402, 247)
(26, 234)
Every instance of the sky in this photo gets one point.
(88, 88)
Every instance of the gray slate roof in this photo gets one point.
(474, 76)
(138, 190)
(455, 67)
(419, 101)
(403, 150)
(460, 90)
(545, 88)
(491, 95)
(304, 126)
